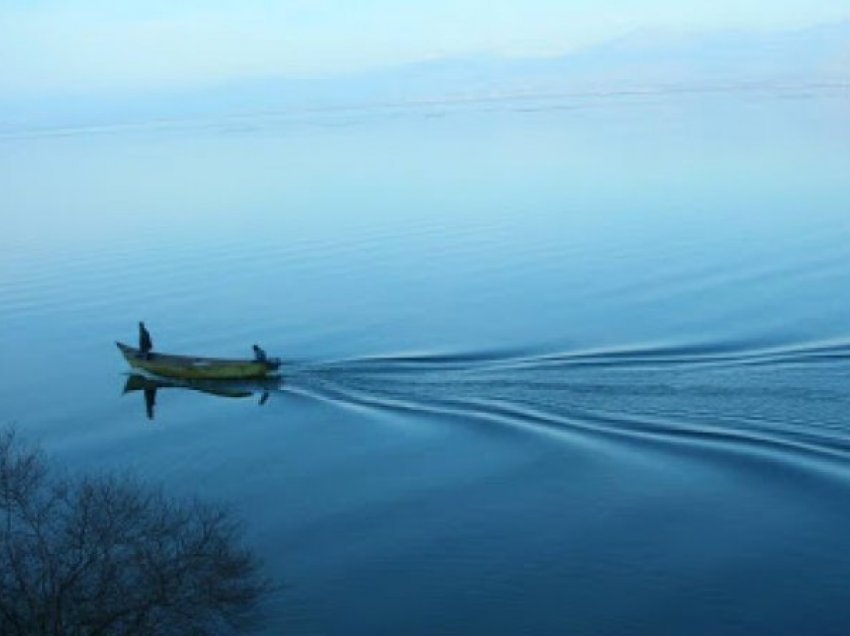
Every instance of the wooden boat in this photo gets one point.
(195, 368)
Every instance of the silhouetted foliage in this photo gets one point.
(108, 555)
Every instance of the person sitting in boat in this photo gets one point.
(145, 342)
(259, 354)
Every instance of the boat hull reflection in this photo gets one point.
(149, 385)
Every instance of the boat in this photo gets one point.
(197, 368)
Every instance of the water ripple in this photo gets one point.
(792, 405)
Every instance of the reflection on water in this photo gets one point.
(149, 385)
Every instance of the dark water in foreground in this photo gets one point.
(572, 369)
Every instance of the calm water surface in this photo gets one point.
(559, 367)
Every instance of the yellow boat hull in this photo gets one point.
(195, 368)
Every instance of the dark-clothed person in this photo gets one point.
(145, 342)
(259, 354)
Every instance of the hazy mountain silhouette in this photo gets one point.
(642, 61)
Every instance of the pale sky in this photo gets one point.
(59, 46)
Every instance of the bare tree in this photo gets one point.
(108, 555)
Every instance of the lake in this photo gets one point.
(552, 366)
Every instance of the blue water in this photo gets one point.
(559, 367)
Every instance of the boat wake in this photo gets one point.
(773, 399)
